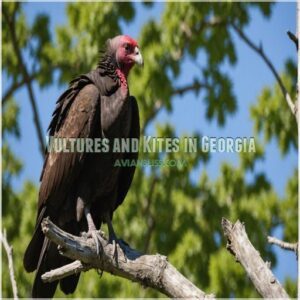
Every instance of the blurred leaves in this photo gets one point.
(165, 211)
(288, 209)
(272, 116)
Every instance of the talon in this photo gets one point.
(94, 234)
(84, 235)
(97, 240)
(114, 240)
(119, 243)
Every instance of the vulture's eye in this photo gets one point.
(127, 47)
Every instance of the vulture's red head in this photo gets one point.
(126, 52)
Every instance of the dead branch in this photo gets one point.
(149, 270)
(293, 38)
(259, 50)
(9, 251)
(257, 270)
(70, 269)
(284, 245)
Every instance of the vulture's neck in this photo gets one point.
(123, 78)
(107, 66)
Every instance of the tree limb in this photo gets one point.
(257, 270)
(149, 270)
(294, 39)
(259, 50)
(195, 86)
(67, 270)
(15, 86)
(9, 250)
(284, 245)
(11, 24)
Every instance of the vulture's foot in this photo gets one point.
(92, 232)
(112, 239)
(119, 243)
(96, 236)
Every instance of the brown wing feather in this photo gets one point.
(127, 173)
(61, 169)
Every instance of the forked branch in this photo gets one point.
(149, 270)
(284, 245)
(259, 50)
(257, 270)
(294, 39)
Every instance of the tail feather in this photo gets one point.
(69, 284)
(33, 250)
(42, 254)
(49, 259)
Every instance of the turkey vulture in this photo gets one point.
(79, 191)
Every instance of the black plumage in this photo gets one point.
(73, 185)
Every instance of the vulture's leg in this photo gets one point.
(92, 231)
(114, 240)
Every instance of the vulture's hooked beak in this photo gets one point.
(138, 58)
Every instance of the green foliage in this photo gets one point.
(9, 119)
(165, 210)
(11, 166)
(19, 220)
(288, 209)
(272, 115)
(291, 287)
(17, 208)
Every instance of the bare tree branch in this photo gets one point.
(293, 38)
(149, 270)
(16, 85)
(284, 245)
(257, 270)
(195, 86)
(67, 270)
(11, 24)
(259, 50)
(9, 252)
